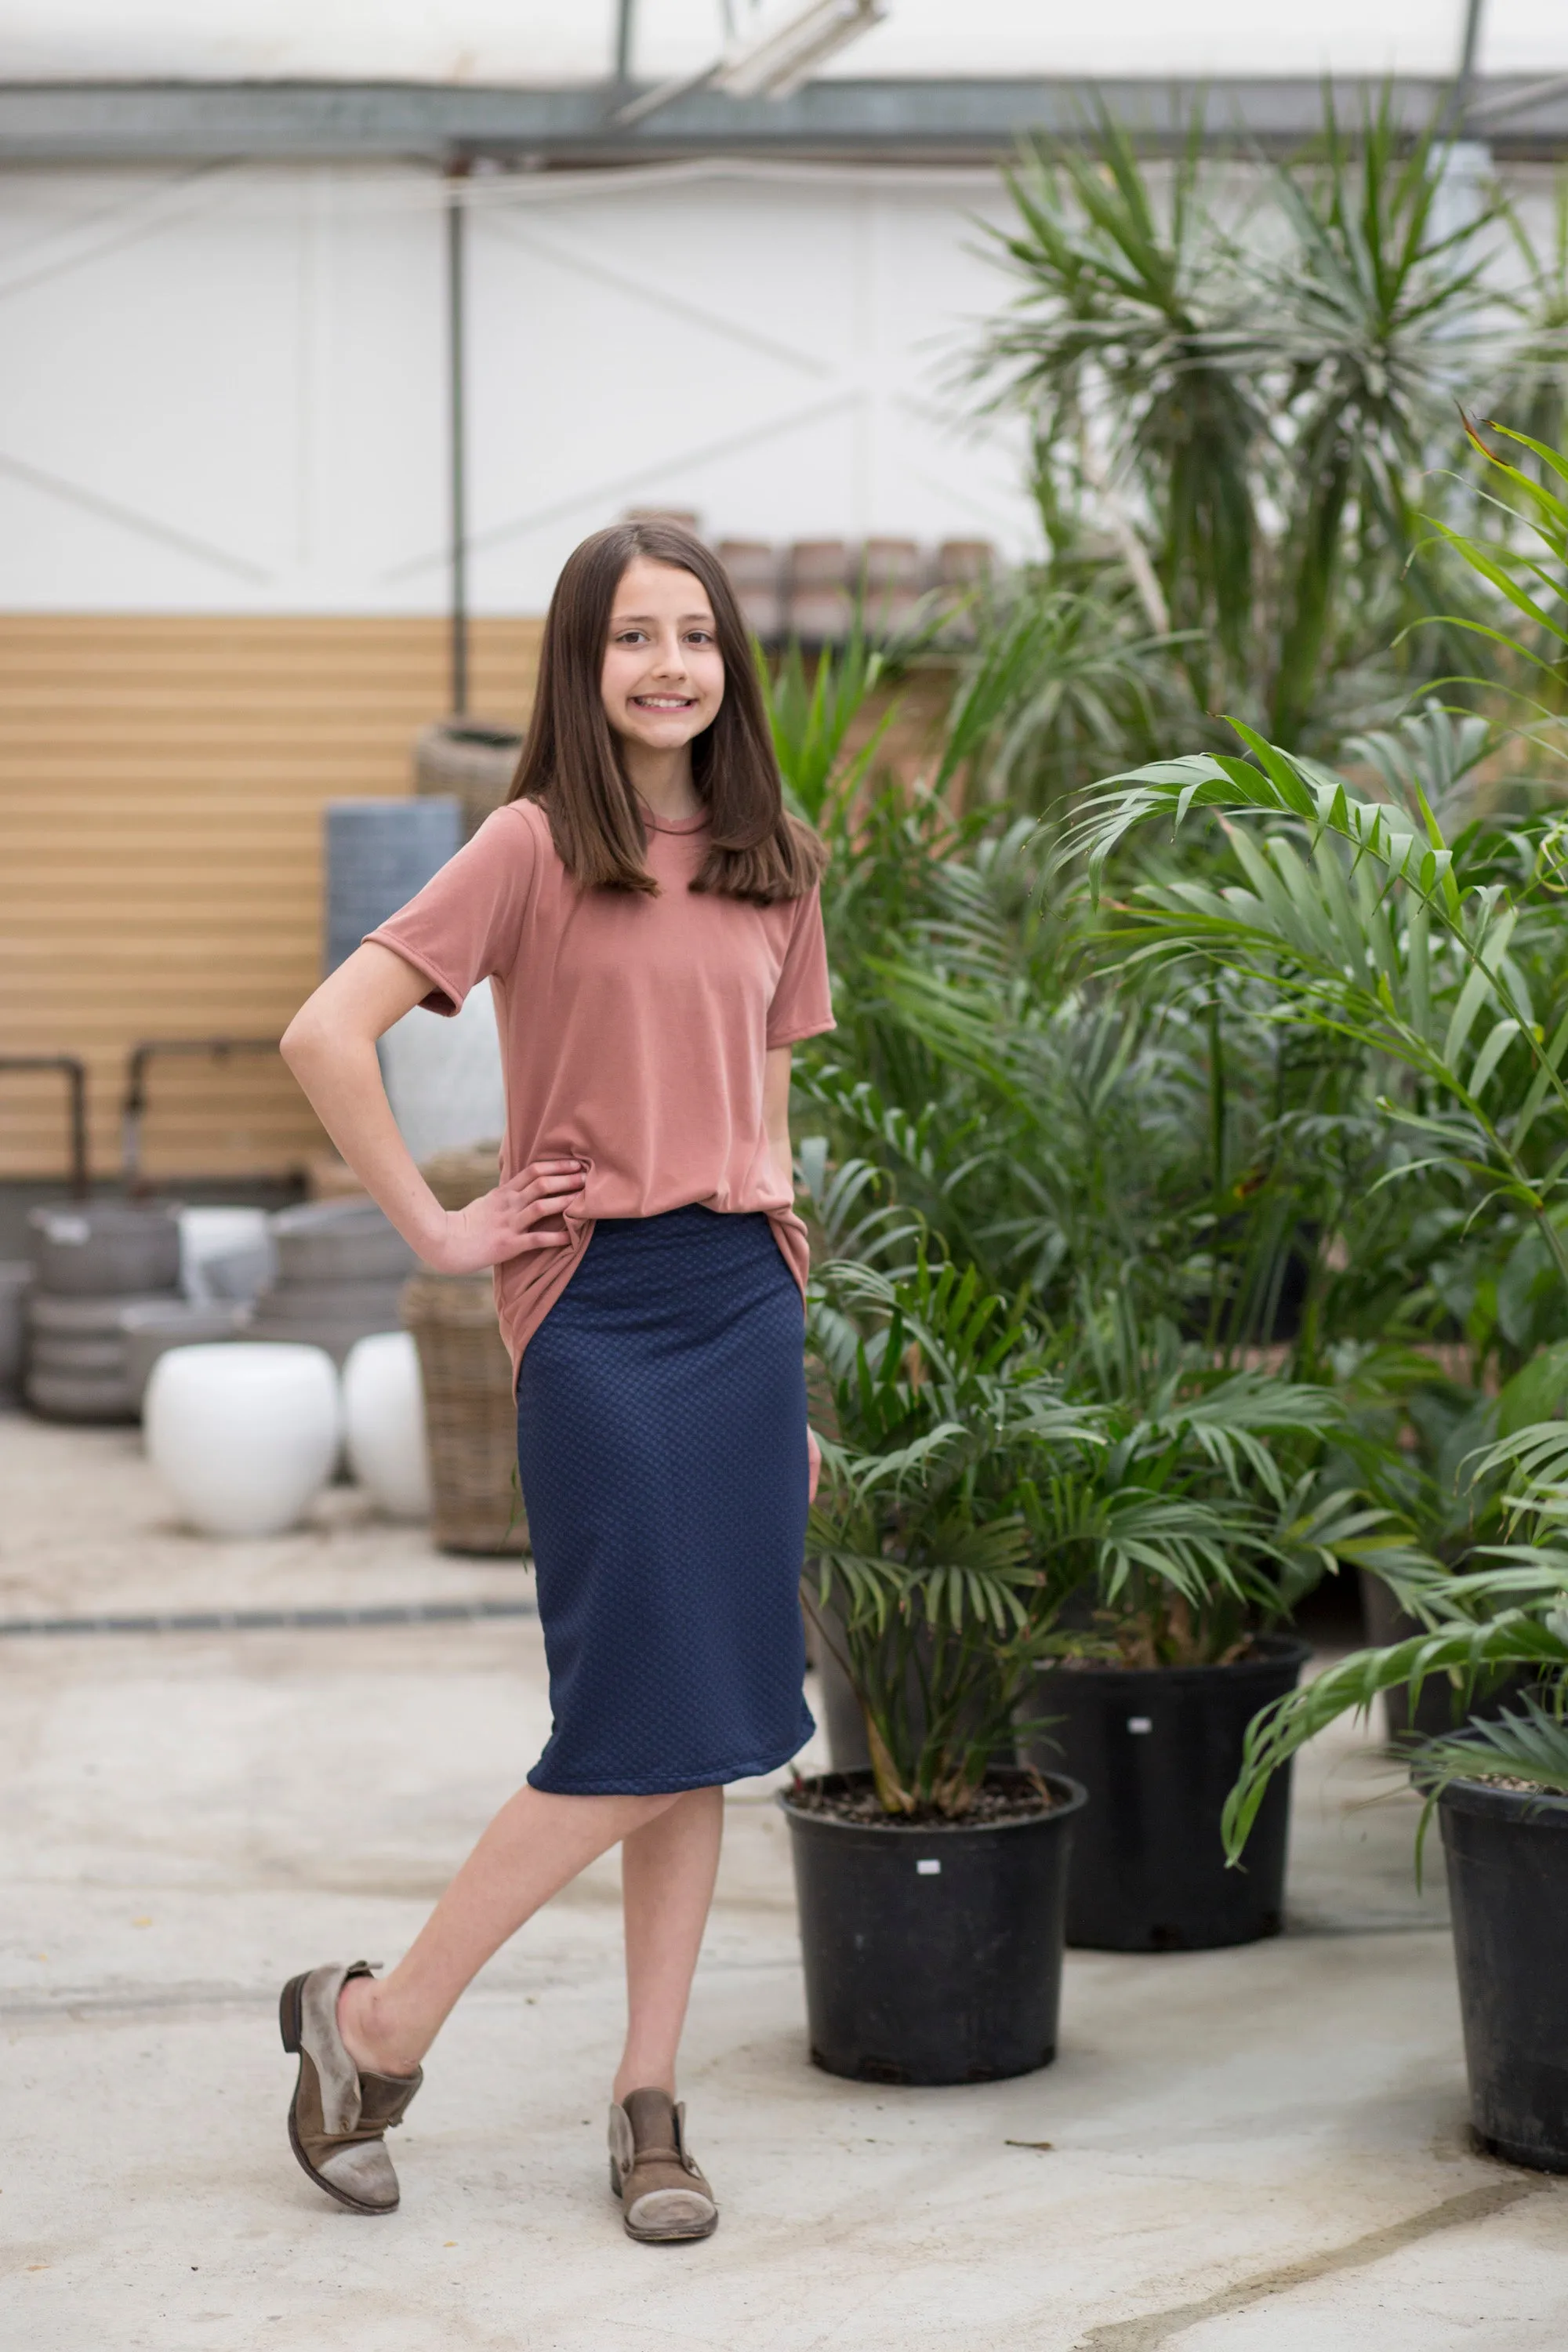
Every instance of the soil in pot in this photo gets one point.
(933, 1950)
(1158, 1749)
(1507, 1852)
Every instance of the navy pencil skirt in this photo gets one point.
(661, 1443)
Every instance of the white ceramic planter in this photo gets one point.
(244, 1435)
(384, 1425)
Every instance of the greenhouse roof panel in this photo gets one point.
(540, 43)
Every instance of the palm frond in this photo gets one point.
(811, 720)
(1514, 1638)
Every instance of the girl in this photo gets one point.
(648, 917)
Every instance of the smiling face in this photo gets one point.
(663, 679)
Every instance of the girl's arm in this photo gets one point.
(775, 1115)
(330, 1045)
(775, 1120)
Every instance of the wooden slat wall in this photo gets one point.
(160, 788)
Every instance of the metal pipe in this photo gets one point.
(626, 29)
(75, 1073)
(133, 1106)
(1465, 80)
(457, 407)
(922, 120)
(1517, 101)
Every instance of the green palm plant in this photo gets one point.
(1061, 676)
(1239, 425)
(1367, 925)
(1511, 1615)
(1440, 958)
(987, 1503)
(1118, 349)
(1165, 1140)
(925, 1591)
(1014, 1113)
(1375, 308)
(1533, 390)
(1525, 563)
(1247, 1450)
(811, 716)
(887, 835)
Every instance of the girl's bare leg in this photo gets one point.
(536, 1843)
(667, 1868)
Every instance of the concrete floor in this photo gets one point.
(1259, 2148)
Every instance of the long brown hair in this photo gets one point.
(570, 766)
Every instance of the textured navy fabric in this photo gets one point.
(661, 1441)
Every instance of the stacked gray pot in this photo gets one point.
(341, 1266)
(90, 1263)
(16, 1281)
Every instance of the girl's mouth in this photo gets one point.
(665, 701)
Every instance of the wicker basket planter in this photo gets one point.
(461, 1174)
(476, 1504)
(473, 760)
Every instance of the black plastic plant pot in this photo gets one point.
(933, 1955)
(1507, 1852)
(1158, 1751)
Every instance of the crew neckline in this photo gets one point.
(672, 824)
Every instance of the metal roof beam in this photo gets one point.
(951, 121)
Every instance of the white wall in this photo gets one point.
(223, 390)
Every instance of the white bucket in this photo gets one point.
(384, 1425)
(244, 1434)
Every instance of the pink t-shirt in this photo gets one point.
(633, 1029)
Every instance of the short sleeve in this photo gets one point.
(802, 1003)
(467, 923)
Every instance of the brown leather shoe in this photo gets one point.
(338, 2117)
(664, 2195)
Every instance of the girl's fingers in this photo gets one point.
(528, 1218)
(523, 1192)
(537, 1169)
(542, 1190)
(549, 1204)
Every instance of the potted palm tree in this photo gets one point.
(1442, 954)
(1500, 1787)
(998, 1560)
(1169, 1552)
(1171, 1557)
(925, 1598)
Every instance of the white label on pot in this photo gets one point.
(1140, 1722)
(928, 1870)
(74, 1230)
